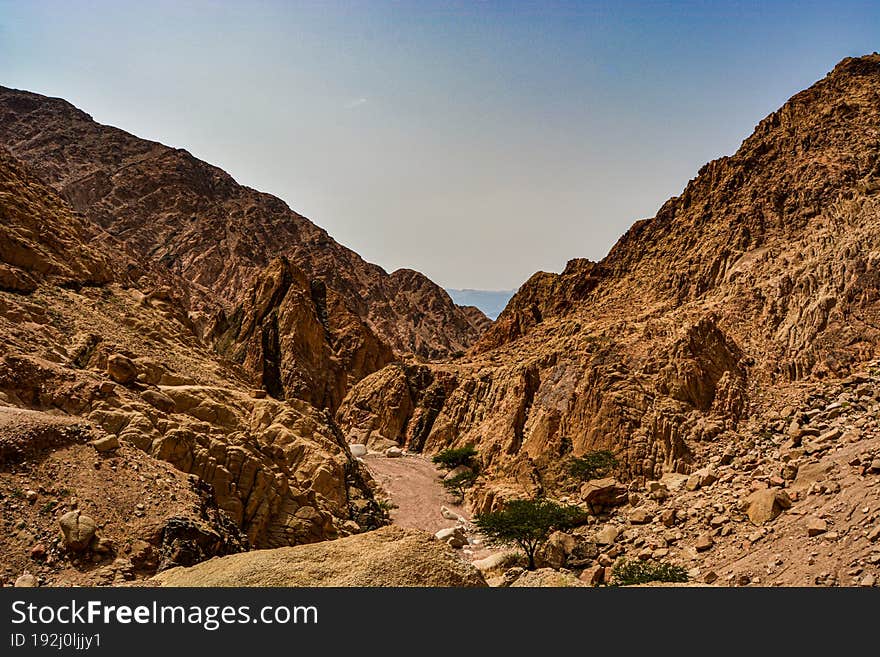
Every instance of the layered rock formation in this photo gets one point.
(87, 334)
(762, 273)
(184, 319)
(223, 239)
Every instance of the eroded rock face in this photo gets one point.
(199, 223)
(761, 273)
(284, 335)
(87, 343)
(40, 239)
(396, 405)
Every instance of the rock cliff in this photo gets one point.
(91, 339)
(196, 221)
(760, 275)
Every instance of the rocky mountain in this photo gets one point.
(176, 383)
(759, 276)
(156, 320)
(116, 415)
(222, 238)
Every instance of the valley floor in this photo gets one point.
(414, 487)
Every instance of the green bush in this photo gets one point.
(593, 464)
(527, 523)
(454, 457)
(386, 505)
(626, 573)
(456, 485)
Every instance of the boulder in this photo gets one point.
(593, 576)
(667, 517)
(393, 452)
(640, 516)
(816, 526)
(546, 578)
(77, 530)
(25, 581)
(766, 504)
(810, 473)
(121, 369)
(495, 562)
(358, 449)
(105, 443)
(159, 400)
(607, 535)
(701, 479)
(454, 537)
(708, 476)
(583, 554)
(555, 550)
(704, 542)
(833, 434)
(448, 514)
(603, 493)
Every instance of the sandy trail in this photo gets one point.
(413, 483)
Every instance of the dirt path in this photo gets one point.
(414, 486)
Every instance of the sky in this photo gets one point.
(477, 142)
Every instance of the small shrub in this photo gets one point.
(592, 464)
(527, 523)
(386, 505)
(48, 506)
(457, 485)
(454, 457)
(627, 573)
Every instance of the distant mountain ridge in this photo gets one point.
(491, 302)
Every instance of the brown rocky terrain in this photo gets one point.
(92, 342)
(225, 241)
(759, 279)
(726, 351)
(390, 556)
(147, 514)
(176, 318)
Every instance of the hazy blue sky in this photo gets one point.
(476, 142)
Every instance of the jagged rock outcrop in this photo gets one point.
(85, 343)
(761, 273)
(397, 405)
(197, 222)
(41, 240)
(543, 295)
(286, 335)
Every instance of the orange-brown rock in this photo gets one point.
(285, 333)
(195, 220)
(86, 342)
(762, 273)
